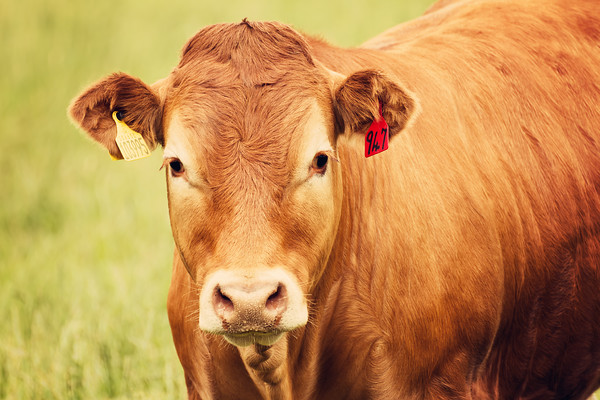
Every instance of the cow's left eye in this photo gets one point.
(319, 163)
(176, 167)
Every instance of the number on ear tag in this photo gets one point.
(378, 136)
(130, 142)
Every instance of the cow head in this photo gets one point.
(249, 122)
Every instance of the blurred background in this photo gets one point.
(85, 242)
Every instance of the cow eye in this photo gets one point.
(319, 163)
(176, 167)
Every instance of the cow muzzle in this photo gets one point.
(251, 309)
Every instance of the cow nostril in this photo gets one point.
(221, 302)
(277, 301)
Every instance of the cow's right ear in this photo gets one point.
(139, 107)
(358, 98)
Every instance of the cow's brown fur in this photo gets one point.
(466, 259)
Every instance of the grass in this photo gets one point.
(85, 243)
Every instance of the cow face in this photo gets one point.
(254, 201)
(249, 123)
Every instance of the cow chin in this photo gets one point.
(250, 338)
(256, 308)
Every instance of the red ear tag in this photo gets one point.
(378, 136)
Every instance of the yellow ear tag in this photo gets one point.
(131, 143)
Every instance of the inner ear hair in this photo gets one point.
(358, 97)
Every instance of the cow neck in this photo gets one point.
(268, 368)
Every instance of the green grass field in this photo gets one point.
(85, 243)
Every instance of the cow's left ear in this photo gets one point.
(138, 106)
(358, 97)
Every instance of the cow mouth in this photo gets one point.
(251, 310)
(244, 339)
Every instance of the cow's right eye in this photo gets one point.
(319, 163)
(176, 167)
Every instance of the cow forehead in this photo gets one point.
(244, 91)
(260, 138)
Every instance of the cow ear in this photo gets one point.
(358, 97)
(139, 107)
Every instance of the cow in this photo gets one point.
(463, 262)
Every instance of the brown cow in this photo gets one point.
(461, 263)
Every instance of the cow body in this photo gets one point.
(463, 262)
